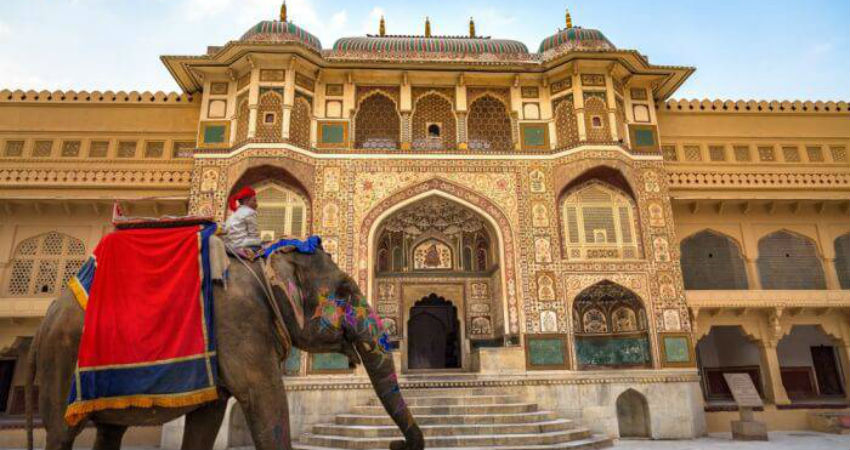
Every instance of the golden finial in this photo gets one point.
(427, 27)
(471, 28)
(283, 12)
(569, 19)
(382, 27)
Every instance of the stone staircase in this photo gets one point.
(454, 420)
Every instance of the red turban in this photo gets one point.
(245, 192)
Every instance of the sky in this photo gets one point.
(745, 49)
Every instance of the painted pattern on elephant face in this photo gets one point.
(333, 313)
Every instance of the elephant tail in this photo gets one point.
(29, 375)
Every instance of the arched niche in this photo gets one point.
(600, 221)
(711, 260)
(789, 261)
(489, 124)
(727, 348)
(284, 206)
(377, 123)
(566, 127)
(611, 329)
(633, 415)
(433, 122)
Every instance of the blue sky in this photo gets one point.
(746, 49)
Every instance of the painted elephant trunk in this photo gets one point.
(379, 365)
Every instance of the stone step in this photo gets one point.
(445, 429)
(416, 400)
(486, 440)
(593, 442)
(432, 419)
(496, 408)
(381, 418)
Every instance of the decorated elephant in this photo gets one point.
(335, 318)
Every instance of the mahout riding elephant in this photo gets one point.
(335, 318)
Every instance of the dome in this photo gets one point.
(448, 45)
(279, 32)
(576, 38)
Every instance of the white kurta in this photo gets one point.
(241, 228)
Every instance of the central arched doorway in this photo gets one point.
(436, 247)
(433, 335)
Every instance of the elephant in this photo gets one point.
(335, 318)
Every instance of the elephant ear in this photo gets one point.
(285, 278)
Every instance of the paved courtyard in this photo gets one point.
(784, 440)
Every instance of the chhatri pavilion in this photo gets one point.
(550, 224)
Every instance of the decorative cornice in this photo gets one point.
(781, 178)
(769, 299)
(120, 97)
(755, 106)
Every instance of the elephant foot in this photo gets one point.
(406, 445)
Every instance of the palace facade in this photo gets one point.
(550, 222)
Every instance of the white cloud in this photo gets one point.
(5, 29)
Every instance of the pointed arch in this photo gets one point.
(489, 124)
(611, 329)
(300, 121)
(284, 205)
(489, 211)
(377, 122)
(566, 125)
(596, 120)
(430, 109)
(789, 260)
(712, 260)
(269, 116)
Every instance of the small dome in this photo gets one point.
(279, 32)
(576, 38)
(449, 45)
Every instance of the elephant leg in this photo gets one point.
(109, 437)
(202, 425)
(267, 413)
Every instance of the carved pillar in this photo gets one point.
(753, 273)
(406, 138)
(773, 387)
(462, 137)
(578, 103)
(515, 130)
(288, 100)
(253, 103)
(611, 100)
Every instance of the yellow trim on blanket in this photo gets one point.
(78, 411)
(79, 292)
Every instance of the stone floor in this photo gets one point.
(779, 440)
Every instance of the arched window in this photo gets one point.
(41, 265)
(565, 122)
(712, 261)
(281, 212)
(481, 259)
(600, 222)
(596, 119)
(842, 260)
(489, 126)
(789, 261)
(610, 327)
(299, 122)
(433, 124)
(269, 117)
(242, 116)
(377, 123)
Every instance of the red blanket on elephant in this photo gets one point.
(147, 336)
